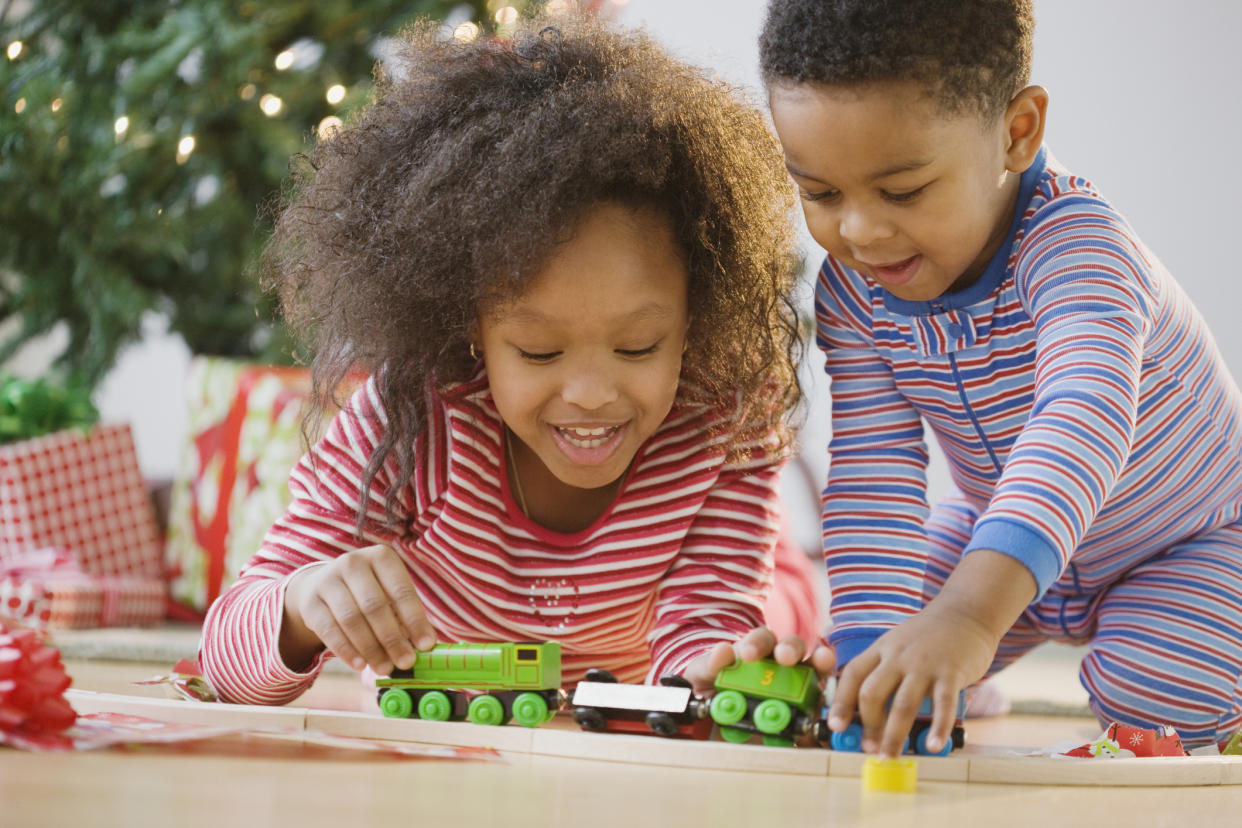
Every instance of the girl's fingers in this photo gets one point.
(756, 644)
(381, 621)
(399, 586)
(701, 673)
(350, 619)
(824, 660)
(789, 651)
(320, 620)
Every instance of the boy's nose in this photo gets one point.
(861, 228)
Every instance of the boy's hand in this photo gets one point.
(362, 606)
(935, 653)
(756, 644)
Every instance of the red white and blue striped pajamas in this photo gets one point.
(1093, 433)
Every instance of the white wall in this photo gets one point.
(1140, 104)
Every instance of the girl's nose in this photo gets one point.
(588, 385)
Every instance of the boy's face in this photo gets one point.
(893, 187)
(584, 365)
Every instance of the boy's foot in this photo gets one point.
(984, 700)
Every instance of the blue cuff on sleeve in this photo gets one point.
(1019, 542)
(852, 642)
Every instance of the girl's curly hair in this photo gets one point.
(449, 191)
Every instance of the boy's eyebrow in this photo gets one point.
(905, 166)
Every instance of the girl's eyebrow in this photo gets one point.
(531, 316)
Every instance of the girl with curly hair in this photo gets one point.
(564, 262)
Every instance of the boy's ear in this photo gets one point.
(1024, 127)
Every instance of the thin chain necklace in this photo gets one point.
(517, 479)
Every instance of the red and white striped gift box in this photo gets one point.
(63, 601)
(83, 491)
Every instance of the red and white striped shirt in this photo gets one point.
(679, 562)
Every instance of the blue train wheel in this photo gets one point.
(396, 703)
(735, 735)
(920, 745)
(530, 710)
(486, 710)
(849, 740)
(435, 707)
(772, 716)
(728, 707)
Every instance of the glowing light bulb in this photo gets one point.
(247, 92)
(270, 104)
(184, 147)
(15, 49)
(284, 60)
(507, 16)
(121, 125)
(466, 32)
(57, 104)
(335, 94)
(20, 106)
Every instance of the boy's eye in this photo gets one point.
(545, 357)
(901, 198)
(820, 196)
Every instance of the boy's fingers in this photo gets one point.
(901, 715)
(845, 700)
(873, 697)
(944, 716)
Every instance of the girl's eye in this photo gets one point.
(901, 198)
(639, 352)
(826, 195)
(538, 357)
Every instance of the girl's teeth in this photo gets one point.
(588, 438)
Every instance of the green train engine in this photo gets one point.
(482, 683)
(779, 703)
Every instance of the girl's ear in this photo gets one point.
(1024, 127)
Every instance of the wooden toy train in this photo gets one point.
(493, 684)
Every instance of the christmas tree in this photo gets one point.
(140, 140)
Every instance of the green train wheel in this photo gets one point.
(728, 707)
(772, 716)
(486, 710)
(435, 707)
(396, 703)
(529, 709)
(735, 735)
(777, 741)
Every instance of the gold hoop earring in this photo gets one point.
(473, 353)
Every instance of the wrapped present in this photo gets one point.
(1127, 741)
(49, 589)
(245, 435)
(80, 489)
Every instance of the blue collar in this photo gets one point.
(994, 273)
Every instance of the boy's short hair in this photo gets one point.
(971, 55)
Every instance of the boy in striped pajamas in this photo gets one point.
(562, 259)
(974, 286)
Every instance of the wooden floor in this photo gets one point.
(225, 786)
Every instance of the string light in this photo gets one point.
(247, 92)
(270, 104)
(466, 32)
(328, 127)
(56, 104)
(20, 106)
(507, 16)
(15, 49)
(121, 125)
(336, 94)
(557, 6)
(284, 60)
(184, 147)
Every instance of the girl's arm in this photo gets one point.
(241, 653)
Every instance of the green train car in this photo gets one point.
(778, 702)
(483, 683)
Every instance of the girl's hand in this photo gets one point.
(362, 606)
(756, 644)
(935, 653)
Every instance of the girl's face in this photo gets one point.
(584, 365)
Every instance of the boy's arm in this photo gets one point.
(875, 504)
